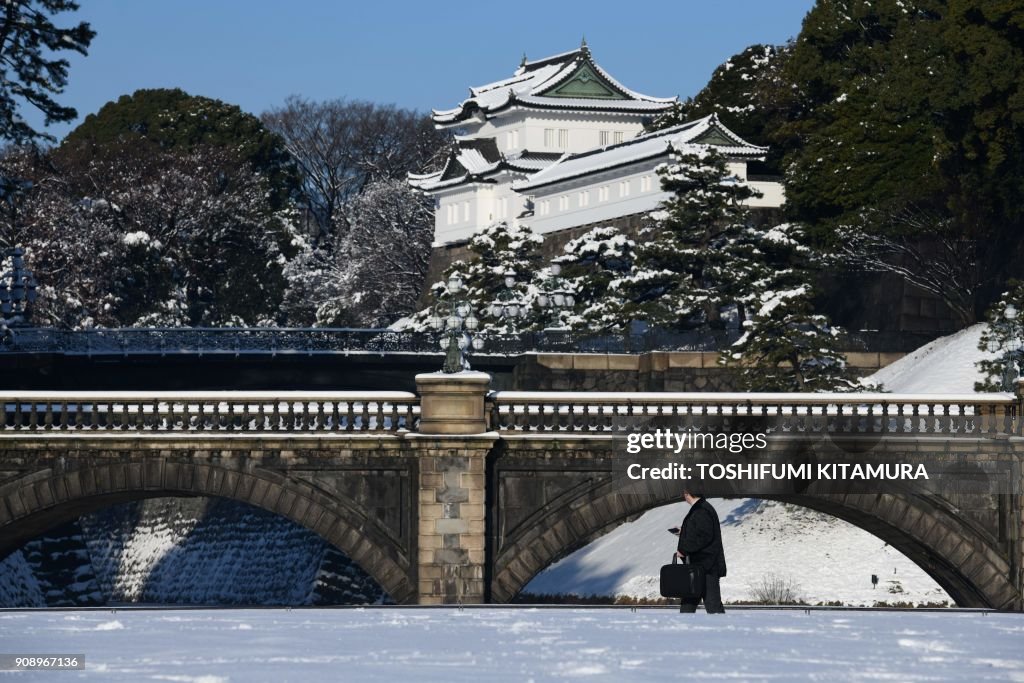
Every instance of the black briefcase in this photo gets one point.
(682, 580)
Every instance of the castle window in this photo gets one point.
(618, 136)
(549, 137)
(624, 188)
(585, 198)
(602, 194)
(563, 138)
(645, 183)
(606, 136)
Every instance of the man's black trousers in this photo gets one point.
(712, 598)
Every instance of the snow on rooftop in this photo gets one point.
(532, 79)
(678, 138)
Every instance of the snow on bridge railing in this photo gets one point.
(852, 413)
(208, 411)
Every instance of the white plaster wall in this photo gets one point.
(617, 204)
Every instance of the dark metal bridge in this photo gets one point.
(269, 341)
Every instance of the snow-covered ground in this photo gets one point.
(825, 558)
(944, 366)
(502, 644)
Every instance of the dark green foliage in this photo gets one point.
(30, 71)
(980, 150)
(1005, 336)
(909, 108)
(594, 266)
(692, 262)
(499, 249)
(746, 92)
(144, 238)
(862, 74)
(171, 120)
(786, 345)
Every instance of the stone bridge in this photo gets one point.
(454, 494)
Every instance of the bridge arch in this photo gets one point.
(36, 502)
(962, 558)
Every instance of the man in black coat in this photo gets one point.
(700, 539)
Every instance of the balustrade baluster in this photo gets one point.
(394, 417)
(48, 416)
(350, 416)
(261, 416)
(290, 420)
(275, 415)
(17, 414)
(63, 421)
(124, 416)
(33, 416)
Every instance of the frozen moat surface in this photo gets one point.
(505, 644)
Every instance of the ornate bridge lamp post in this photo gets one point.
(508, 306)
(17, 293)
(455, 319)
(555, 297)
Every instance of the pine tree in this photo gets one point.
(594, 267)
(1004, 336)
(786, 346)
(693, 261)
(28, 71)
(746, 90)
(502, 251)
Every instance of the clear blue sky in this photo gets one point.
(421, 55)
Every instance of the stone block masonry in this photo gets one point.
(451, 558)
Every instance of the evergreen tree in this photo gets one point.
(171, 120)
(786, 346)
(150, 239)
(594, 267)
(905, 133)
(746, 90)
(502, 251)
(29, 41)
(693, 261)
(1003, 335)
